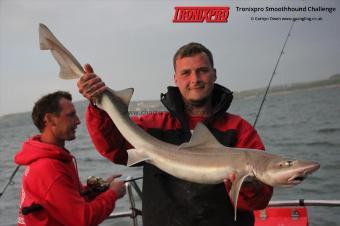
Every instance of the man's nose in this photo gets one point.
(77, 120)
(195, 77)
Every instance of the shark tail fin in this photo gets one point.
(44, 32)
(70, 68)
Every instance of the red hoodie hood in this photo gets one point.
(33, 149)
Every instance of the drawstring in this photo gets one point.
(76, 168)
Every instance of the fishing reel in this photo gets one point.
(97, 183)
(95, 186)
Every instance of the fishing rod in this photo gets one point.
(274, 72)
(10, 181)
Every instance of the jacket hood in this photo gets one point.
(221, 100)
(33, 149)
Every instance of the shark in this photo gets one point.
(201, 160)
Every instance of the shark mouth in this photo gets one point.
(297, 179)
(300, 176)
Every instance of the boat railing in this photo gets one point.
(134, 212)
(304, 202)
(132, 187)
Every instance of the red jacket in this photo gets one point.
(51, 180)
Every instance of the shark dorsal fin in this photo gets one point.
(121, 98)
(124, 95)
(202, 139)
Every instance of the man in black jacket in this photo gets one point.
(196, 98)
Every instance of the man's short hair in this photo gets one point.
(48, 104)
(192, 49)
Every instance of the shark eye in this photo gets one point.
(286, 163)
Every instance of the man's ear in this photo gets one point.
(49, 119)
(175, 80)
(215, 72)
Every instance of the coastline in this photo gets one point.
(156, 105)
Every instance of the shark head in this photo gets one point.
(283, 172)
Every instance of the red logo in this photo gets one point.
(199, 14)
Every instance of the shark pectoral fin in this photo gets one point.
(202, 140)
(70, 68)
(235, 190)
(135, 156)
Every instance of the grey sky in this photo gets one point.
(131, 44)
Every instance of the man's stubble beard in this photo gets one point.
(197, 103)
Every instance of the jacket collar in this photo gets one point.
(172, 100)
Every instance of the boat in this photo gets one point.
(278, 213)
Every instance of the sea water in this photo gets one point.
(303, 124)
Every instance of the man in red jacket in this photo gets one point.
(196, 98)
(51, 190)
